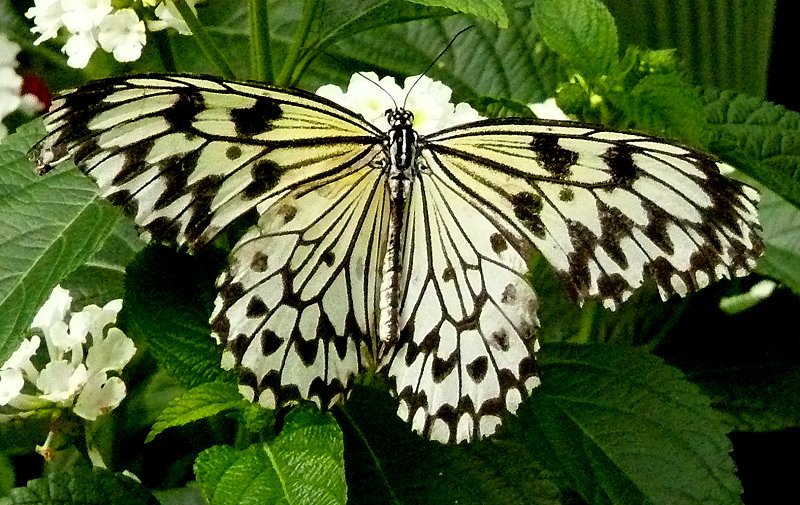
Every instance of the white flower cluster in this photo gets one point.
(11, 97)
(93, 23)
(429, 101)
(71, 378)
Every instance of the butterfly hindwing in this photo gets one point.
(296, 304)
(607, 209)
(185, 156)
(468, 318)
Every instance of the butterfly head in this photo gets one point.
(399, 117)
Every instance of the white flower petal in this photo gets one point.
(113, 353)
(59, 380)
(99, 396)
(428, 101)
(79, 48)
(63, 339)
(169, 17)
(92, 320)
(83, 15)
(54, 309)
(21, 358)
(8, 52)
(11, 382)
(123, 35)
(548, 110)
(46, 15)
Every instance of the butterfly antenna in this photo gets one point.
(438, 57)
(379, 87)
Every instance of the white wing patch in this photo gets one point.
(291, 310)
(468, 319)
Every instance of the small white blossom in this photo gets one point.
(46, 15)
(11, 382)
(79, 48)
(549, 110)
(67, 380)
(11, 97)
(81, 16)
(429, 101)
(122, 34)
(169, 17)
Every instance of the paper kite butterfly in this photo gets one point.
(394, 250)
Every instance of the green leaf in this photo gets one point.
(491, 10)
(49, 226)
(388, 463)
(624, 427)
(168, 300)
(198, 403)
(81, 487)
(760, 138)
(758, 397)
(781, 229)
(102, 277)
(582, 32)
(304, 464)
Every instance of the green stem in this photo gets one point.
(207, 46)
(310, 9)
(372, 455)
(161, 40)
(260, 52)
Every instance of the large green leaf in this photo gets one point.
(303, 465)
(387, 463)
(49, 226)
(781, 223)
(580, 31)
(491, 10)
(624, 428)
(81, 487)
(198, 403)
(760, 138)
(168, 300)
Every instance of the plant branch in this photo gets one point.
(207, 46)
(260, 51)
(310, 9)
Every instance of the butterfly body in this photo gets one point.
(394, 250)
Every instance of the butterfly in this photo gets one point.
(392, 250)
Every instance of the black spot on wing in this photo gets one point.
(621, 165)
(551, 156)
(260, 262)
(233, 152)
(256, 307)
(498, 242)
(256, 119)
(527, 207)
(328, 257)
(477, 368)
(180, 115)
(266, 174)
(270, 342)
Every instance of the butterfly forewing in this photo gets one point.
(606, 209)
(296, 305)
(188, 155)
